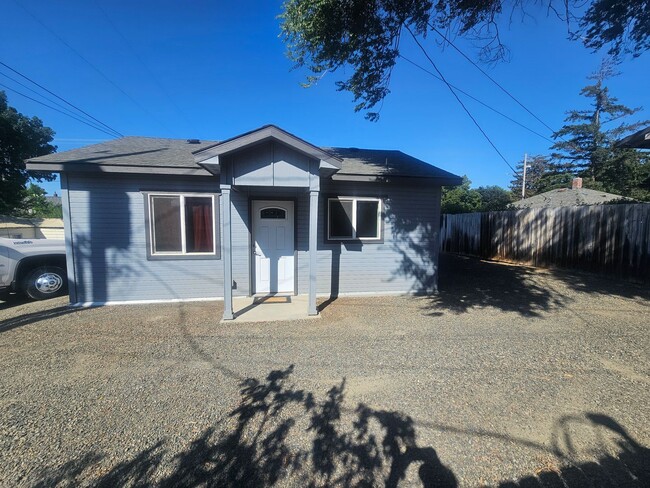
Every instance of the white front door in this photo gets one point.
(273, 246)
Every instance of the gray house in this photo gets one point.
(265, 212)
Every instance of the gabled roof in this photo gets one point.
(179, 156)
(264, 133)
(568, 197)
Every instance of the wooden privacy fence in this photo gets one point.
(613, 239)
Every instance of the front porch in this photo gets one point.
(274, 170)
(271, 308)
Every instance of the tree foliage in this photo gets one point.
(586, 144)
(21, 138)
(537, 169)
(460, 199)
(364, 35)
(36, 205)
(624, 25)
(463, 199)
(494, 198)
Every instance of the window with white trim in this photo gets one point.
(182, 224)
(357, 218)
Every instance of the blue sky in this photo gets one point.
(213, 69)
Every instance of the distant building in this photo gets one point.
(568, 197)
(21, 228)
(54, 200)
(638, 140)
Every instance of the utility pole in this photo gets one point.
(523, 181)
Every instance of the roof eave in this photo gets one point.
(105, 168)
(387, 178)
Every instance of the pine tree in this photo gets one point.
(537, 168)
(585, 145)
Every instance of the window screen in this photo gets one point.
(340, 219)
(166, 215)
(367, 219)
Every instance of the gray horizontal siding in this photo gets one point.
(110, 250)
(240, 243)
(406, 261)
(110, 255)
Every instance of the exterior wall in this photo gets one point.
(405, 262)
(53, 230)
(109, 255)
(50, 232)
(19, 232)
(109, 251)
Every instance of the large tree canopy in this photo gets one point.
(324, 35)
(21, 138)
(586, 145)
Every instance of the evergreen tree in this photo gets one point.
(586, 147)
(538, 167)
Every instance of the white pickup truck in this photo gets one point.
(35, 267)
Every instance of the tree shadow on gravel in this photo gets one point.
(34, 317)
(466, 283)
(281, 435)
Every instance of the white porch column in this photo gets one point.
(227, 254)
(313, 249)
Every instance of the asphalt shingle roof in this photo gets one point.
(382, 162)
(567, 197)
(132, 151)
(179, 153)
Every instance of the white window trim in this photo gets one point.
(183, 251)
(354, 201)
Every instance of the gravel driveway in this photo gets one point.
(509, 377)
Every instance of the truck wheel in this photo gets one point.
(45, 282)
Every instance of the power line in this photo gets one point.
(477, 100)
(83, 121)
(95, 68)
(490, 78)
(143, 64)
(55, 95)
(459, 100)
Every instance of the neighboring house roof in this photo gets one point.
(54, 200)
(639, 140)
(147, 154)
(567, 197)
(8, 222)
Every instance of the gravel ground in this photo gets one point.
(510, 376)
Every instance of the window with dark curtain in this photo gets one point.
(166, 215)
(340, 218)
(198, 224)
(367, 219)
